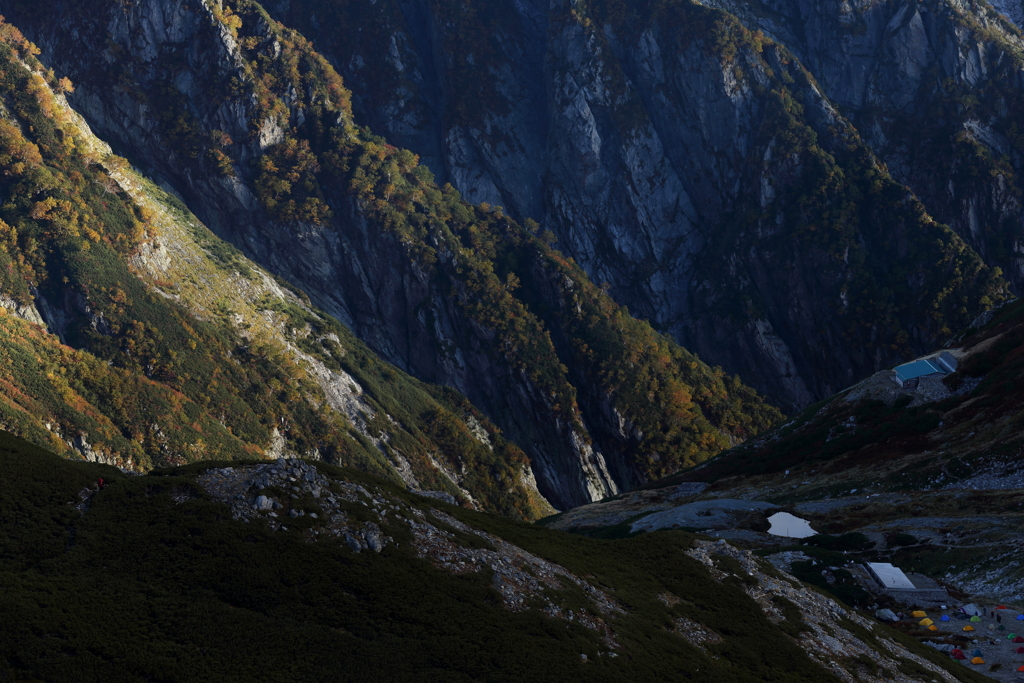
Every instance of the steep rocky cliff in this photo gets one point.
(254, 130)
(130, 335)
(935, 89)
(691, 165)
(646, 137)
(1011, 9)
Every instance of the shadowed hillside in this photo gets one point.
(313, 572)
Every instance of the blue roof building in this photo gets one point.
(943, 364)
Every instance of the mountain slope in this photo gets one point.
(695, 166)
(934, 88)
(970, 420)
(255, 131)
(171, 576)
(163, 345)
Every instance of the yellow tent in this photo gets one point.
(968, 628)
(977, 660)
(926, 622)
(933, 627)
(918, 614)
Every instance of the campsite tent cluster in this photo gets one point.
(974, 616)
(926, 622)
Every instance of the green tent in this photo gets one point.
(975, 618)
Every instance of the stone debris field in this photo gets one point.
(292, 495)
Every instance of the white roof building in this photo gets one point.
(891, 578)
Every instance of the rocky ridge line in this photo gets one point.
(293, 491)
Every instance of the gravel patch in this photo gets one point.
(706, 514)
(995, 476)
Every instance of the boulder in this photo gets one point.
(354, 543)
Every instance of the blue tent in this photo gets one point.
(1020, 617)
(944, 617)
(977, 653)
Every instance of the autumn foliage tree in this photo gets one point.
(287, 183)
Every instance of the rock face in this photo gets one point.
(934, 88)
(172, 347)
(693, 165)
(637, 139)
(1011, 9)
(208, 98)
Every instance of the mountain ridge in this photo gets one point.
(180, 348)
(654, 176)
(237, 379)
(472, 300)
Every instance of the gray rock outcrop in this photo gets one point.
(352, 269)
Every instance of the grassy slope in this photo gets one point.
(200, 359)
(142, 587)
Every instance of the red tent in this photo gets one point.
(958, 653)
(1019, 639)
(1020, 650)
